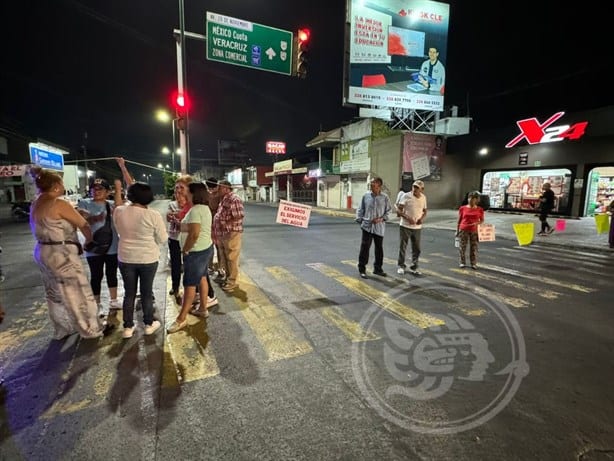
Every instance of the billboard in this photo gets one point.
(397, 53)
(423, 156)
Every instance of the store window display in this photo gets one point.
(520, 190)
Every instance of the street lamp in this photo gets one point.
(164, 117)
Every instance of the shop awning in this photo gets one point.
(326, 139)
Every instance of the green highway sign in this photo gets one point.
(244, 43)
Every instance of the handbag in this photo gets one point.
(102, 238)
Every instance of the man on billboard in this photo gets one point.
(432, 73)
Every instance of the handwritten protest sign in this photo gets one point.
(293, 214)
(486, 232)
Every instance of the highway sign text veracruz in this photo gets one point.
(243, 43)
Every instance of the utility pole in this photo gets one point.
(182, 88)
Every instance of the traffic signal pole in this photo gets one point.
(180, 36)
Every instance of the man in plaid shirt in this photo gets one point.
(227, 231)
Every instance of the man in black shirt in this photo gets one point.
(546, 206)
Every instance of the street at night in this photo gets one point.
(306, 360)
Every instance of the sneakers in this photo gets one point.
(128, 332)
(550, 231)
(462, 266)
(413, 267)
(400, 271)
(541, 234)
(176, 326)
(151, 329)
(115, 305)
(212, 302)
(380, 273)
(474, 267)
(363, 275)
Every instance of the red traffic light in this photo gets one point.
(303, 35)
(180, 101)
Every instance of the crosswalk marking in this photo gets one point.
(352, 330)
(509, 300)
(470, 311)
(382, 299)
(536, 277)
(187, 353)
(599, 269)
(269, 324)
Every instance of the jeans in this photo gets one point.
(413, 235)
(133, 275)
(175, 258)
(99, 264)
(365, 246)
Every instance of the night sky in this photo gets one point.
(104, 67)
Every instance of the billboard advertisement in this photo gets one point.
(397, 53)
(423, 156)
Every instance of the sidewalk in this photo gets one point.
(578, 233)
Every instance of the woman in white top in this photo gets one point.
(141, 232)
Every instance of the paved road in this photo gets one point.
(308, 361)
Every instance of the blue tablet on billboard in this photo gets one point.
(397, 53)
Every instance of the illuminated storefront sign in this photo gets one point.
(536, 133)
(275, 147)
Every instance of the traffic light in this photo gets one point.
(302, 50)
(181, 103)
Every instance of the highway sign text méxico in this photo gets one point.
(243, 43)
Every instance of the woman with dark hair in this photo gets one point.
(141, 232)
(197, 249)
(95, 211)
(54, 223)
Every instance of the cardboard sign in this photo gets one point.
(524, 232)
(293, 214)
(12, 170)
(486, 233)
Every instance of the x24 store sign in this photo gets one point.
(537, 133)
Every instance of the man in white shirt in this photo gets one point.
(412, 211)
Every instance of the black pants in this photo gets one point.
(102, 265)
(175, 258)
(543, 217)
(365, 247)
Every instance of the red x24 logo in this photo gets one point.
(536, 133)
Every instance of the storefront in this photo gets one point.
(573, 152)
(600, 190)
(520, 189)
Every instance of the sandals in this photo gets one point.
(198, 313)
(176, 326)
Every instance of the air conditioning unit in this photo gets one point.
(453, 126)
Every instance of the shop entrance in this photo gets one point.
(520, 190)
(600, 190)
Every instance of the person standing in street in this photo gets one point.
(95, 211)
(141, 232)
(470, 216)
(546, 205)
(227, 233)
(372, 215)
(177, 209)
(412, 211)
(54, 223)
